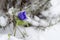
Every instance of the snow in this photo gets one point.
(5, 37)
(3, 21)
(33, 22)
(55, 9)
(52, 33)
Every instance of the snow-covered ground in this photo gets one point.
(52, 33)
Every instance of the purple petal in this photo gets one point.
(22, 15)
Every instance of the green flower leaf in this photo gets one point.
(20, 22)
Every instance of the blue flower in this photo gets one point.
(22, 15)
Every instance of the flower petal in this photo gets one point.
(22, 15)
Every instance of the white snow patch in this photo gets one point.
(5, 37)
(3, 21)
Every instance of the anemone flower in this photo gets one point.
(22, 15)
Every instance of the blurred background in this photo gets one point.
(42, 23)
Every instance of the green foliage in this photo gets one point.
(9, 36)
(20, 22)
